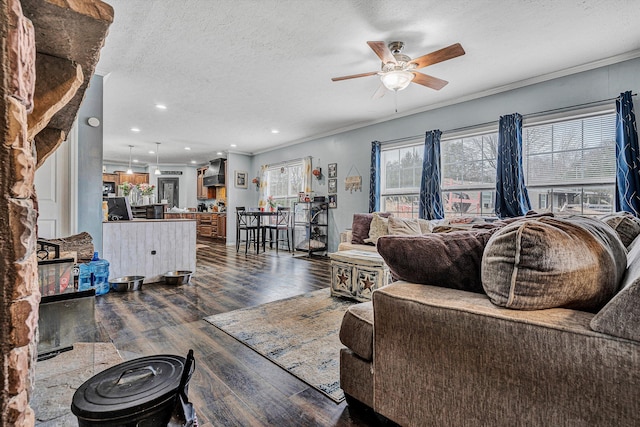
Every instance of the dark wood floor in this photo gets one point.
(232, 384)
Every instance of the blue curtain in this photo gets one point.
(374, 183)
(627, 157)
(512, 198)
(430, 193)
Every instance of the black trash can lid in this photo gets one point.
(128, 388)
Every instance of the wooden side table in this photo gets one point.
(356, 274)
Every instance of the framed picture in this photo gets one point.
(333, 201)
(333, 186)
(241, 179)
(333, 170)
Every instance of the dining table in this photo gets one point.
(260, 217)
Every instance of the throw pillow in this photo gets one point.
(450, 260)
(403, 226)
(625, 224)
(425, 226)
(621, 316)
(379, 227)
(360, 226)
(551, 262)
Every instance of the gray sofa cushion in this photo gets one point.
(621, 316)
(625, 224)
(549, 262)
(451, 260)
(356, 331)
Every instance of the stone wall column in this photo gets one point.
(19, 296)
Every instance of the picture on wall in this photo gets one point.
(241, 179)
(332, 186)
(333, 170)
(333, 201)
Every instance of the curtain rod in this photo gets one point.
(286, 162)
(573, 107)
(524, 116)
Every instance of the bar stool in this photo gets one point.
(283, 223)
(247, 223)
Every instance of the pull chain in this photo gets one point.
(396, 99)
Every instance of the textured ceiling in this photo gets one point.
(230, 71)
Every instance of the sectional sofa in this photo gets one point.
(535, 322)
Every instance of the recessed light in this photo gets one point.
(135, 129)
(193, 161)
(233, 145)
(161, 106)
(135, 160)
(275, 131)
(187, 148)
(152, 152)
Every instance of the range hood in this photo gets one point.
(214, 176)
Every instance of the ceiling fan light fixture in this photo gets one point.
(396, 80)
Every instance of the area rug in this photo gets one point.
(58, 378)
(300, 334)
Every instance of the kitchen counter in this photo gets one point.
(135, 220)
(149, 247)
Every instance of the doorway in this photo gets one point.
(169, 190)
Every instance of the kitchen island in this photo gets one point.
(149, 247)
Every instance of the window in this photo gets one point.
(570, 165)
(400, 179)
(469, 174)
(285, 181)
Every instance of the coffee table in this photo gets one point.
(356, 274)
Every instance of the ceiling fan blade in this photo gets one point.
(354, 76)
(383, 52)
(379, 93)
(443, 54)
(428, 81)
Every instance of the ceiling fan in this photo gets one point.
(398, 70)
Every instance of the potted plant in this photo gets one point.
(272, 203)
(125, 188)
(146, 190)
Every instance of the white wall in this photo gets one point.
(353, 148)
(186, 182)
(247, 197)
(113, 167)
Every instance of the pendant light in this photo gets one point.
(130, 171)
(157, 172)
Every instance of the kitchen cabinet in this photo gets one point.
(211, 224)
(202, 192)
(120, 176)
(110, 177)
(222, 226)
(134, 178)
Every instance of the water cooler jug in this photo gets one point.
(95, 274)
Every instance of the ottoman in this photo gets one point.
(356, 274)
